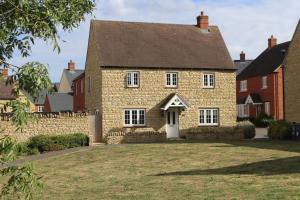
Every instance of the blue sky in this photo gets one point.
(245, 25)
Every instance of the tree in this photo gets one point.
(22, 22)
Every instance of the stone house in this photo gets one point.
(291, 79)
(151, 77)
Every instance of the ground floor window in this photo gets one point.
(267, 108)
(243, 110)
(134, 117)
(208, 117)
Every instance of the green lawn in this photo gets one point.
(204, 170)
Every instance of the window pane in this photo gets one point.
(128, 79)
(208, 116)
(211, 80)
(215, 116)
(142, 117)
(174, 79)
(127, 117)
(169, 117)
(168, 79)
(134, 117)
(135, 80)
(202, 117)
(205, 80)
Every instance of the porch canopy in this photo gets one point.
(252, 98)
(174, 101)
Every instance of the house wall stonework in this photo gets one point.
(151, 93)
(47, 124)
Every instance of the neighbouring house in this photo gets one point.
(260, 84)
(79, 94)
(6, 94)
(292, 80)
(62, 99)
(68, 75)
(242, 63)
(151, 77)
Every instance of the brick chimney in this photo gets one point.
(272, 42)
(71, 66)
(5, 73)
(202, 21)
(242, 57)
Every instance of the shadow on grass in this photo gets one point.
(264, 168)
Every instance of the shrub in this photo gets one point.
(22, 149)
(280, 130)
(248, 129)
(262, 120)
(46, 143)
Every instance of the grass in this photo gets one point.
(199, 170)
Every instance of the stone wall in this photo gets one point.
(52, 124)
(134, 137)
(152, 91)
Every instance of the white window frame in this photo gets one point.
(264, 82)
(131, 111)
(206, 112)
(243, 86)
(267, 108)
(172, 81)
(208, 80)
(133, 79)
(243, 110)
(40, 108)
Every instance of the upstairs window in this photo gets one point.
(243, 86)
(209, 117)
(171, 79)
(264, 81)
(132, 79)
(134, 117)
(208, 81)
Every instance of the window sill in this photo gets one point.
(264, 88)
(132, 86)
(134, 126)
(208, 125)
(208, 87)
(171, 87)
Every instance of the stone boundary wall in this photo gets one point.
(214, 133)
(46, 123)
(134, 137)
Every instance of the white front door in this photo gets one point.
(172, 123)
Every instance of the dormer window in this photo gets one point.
(132, 79)
(208, 80)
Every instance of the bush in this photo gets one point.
(248, 129)
(280, 130)
(262, 120)
(46, 143)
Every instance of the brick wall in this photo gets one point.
(53, 124)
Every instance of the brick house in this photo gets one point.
(292, 80)
(260, 85)
(158, 77)
(79, 93)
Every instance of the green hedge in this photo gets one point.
(45, 143)
(280, 130)
(248, 129)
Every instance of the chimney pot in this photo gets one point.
(202, 21)
(5, 73)
(272, 41)
(71, 66)
(242, 57)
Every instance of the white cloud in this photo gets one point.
(245, 25)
